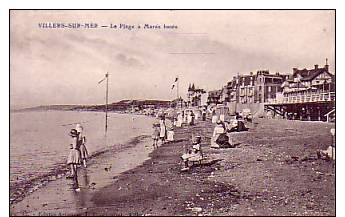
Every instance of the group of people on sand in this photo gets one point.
(78, 153)
(221, 138)
(159, 131)
(189, 116)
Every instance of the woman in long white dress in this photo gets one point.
(179, 120)
(162, 134)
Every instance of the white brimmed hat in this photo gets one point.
(79, 128)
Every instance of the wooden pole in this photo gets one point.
(237, 91)
(106, 103)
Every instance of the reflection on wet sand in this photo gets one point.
(91, 179)
(83, 182)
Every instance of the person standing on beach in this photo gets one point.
(203, 113)
(155, 135)
(81, 143)
(162, 134)
(179, 119)
(214, 116)
(192, 118)
(74, 157)
(184, 115)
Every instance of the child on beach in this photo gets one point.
(194, 154)
(162, 134)
(81, 143)
(74, 157)
(170, 133)
(155, 135)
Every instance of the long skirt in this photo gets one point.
(221, 141)
(213, 142)
(162, 133)
(179, 121)
(192, 156)
(214, 119)
(83, 152)
(170, 135)
(74, 157)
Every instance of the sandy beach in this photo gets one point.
(273, 170)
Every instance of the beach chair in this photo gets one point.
(198, 160)
(194, 158)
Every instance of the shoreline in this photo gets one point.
(258, 177)
(25, 185)
(18, 191)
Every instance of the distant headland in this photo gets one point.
(120, 106)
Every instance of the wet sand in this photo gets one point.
(272, 171)
(59, 198)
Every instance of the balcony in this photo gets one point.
(303, 98)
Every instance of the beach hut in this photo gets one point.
(170, 135)
(197, 113)
(222, 111)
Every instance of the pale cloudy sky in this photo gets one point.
(63, 66)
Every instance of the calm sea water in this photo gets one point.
(39, 140)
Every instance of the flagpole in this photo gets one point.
(106, 104)
(178, 80)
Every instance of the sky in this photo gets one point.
(63, 66)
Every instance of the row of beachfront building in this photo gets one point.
(265, 87)
(301, 91)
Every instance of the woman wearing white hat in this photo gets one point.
(81, 143)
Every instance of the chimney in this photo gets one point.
(316, 66)
(326, 66)
(251, 73)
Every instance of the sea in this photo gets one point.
(39, 140)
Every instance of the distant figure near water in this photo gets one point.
(81, 143)
(155, 135)
(163, 132)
